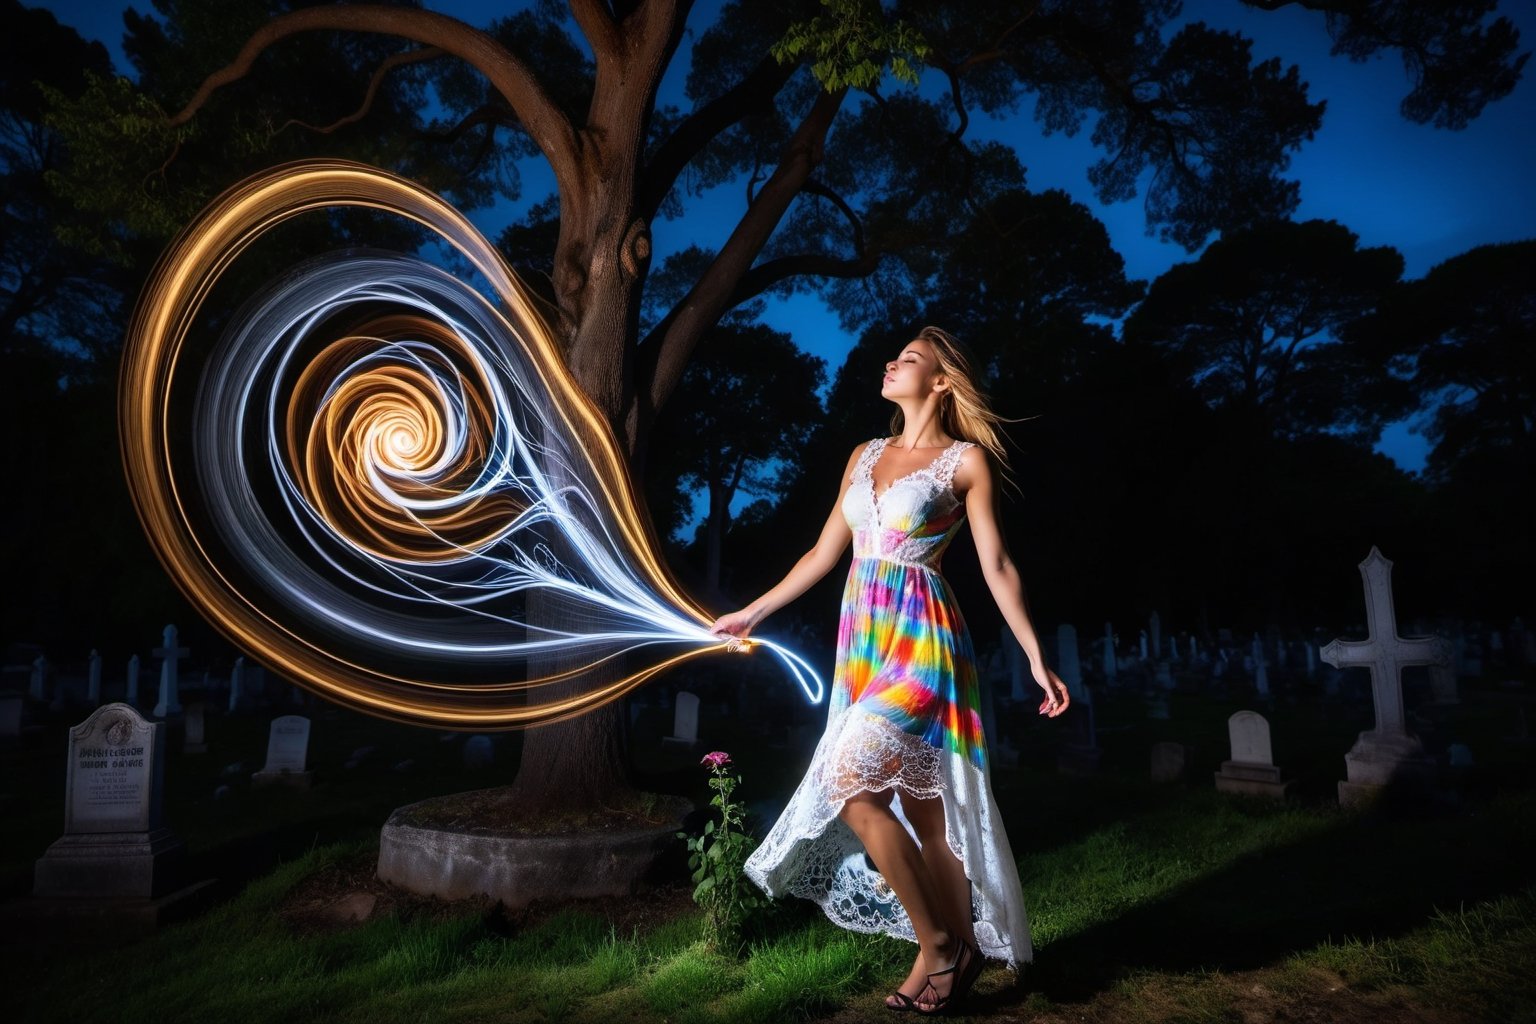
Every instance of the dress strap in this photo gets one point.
(865, 470)
(945, 465)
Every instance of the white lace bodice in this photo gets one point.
(912, 520)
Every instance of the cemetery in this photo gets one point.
(1254, 843)
(483, 475)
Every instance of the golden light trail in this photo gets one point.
(384, 465)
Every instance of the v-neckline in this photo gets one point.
(884, 444)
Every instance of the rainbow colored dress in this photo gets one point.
(903, 715)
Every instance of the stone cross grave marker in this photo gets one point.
(685, 721)
(1251, 769)
(1388, 753)
(287, 753)
(115, 847)
(170, 689)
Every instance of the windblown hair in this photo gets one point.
(964, 409)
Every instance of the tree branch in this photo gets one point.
(816, 188)
(507, 74)
(390, 63)
(597, 24)
(752, 95)
(666, 351)
(765, 275)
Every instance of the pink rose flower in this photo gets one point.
(716, 759)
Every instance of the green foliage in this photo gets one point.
(119, 140)
(853, 44)
(716, 855)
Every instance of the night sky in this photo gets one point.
(1430, 193)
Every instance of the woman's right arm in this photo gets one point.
(812, 566)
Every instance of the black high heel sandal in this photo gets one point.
(966, 969)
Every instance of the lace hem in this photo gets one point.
(813, 855)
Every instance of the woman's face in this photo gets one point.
(911, 374)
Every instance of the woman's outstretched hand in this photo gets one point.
(1057, 698)
(736, 624)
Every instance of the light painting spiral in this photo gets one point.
(387, 486)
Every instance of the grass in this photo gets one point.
(1147, 903)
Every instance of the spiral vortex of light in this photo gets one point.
(387, 486)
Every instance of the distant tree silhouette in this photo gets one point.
(1256, 323)
(738, 424)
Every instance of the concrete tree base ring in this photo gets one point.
(460, 859)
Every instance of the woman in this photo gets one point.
(900, 773)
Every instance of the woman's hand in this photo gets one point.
(736, 624)
(1057, 698)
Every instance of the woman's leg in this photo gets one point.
(948, 874)
(901, 862)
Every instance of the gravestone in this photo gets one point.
(1071, 665)
(685, 721)
(1170, 762)
(287, 754)
(93, 681)
(10, 716)
(1388, 754)
(194, 742)
(133, 681)
(1251, 769)
(237, 685)
(38, 690)
(170, 687)
(1110, 665)
(479, 753)
(1260, 669)
(116, 857)
(1079, 753)
(1142, 645)
(1013, 658)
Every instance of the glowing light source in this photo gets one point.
(378, 470)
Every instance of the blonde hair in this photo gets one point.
(964, 410)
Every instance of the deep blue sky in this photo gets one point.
(1430, 193)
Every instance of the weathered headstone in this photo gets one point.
(1389, 754)
(1170, 762)
(287, 754)
(685, 721)
(93, 680)
(237, 685)
(1018, 666)
(1260, 669)
(1070, 665)
(38, 690)
(170, 688)
(116, 857)
(479, 753)
(194, 741)
(133, 681)
(1251, 769)
(1142, 645)
(1109, 652)
(10, 716)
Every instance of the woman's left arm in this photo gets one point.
(974, 480)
